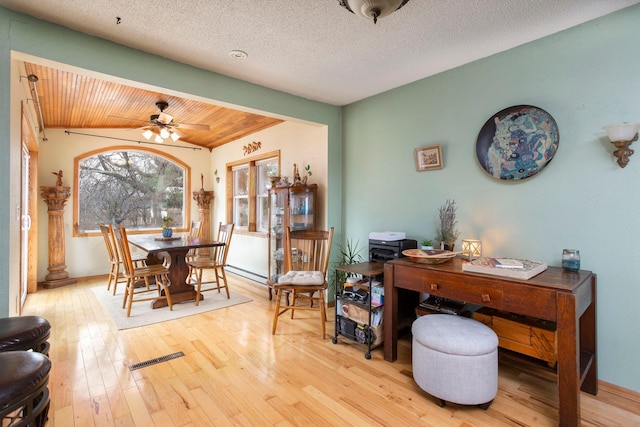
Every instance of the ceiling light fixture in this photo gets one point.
(372, 9)
(238, 54)
(159, 137)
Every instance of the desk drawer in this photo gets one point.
(488, 296)
(454, 286)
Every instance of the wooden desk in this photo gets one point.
(567, 298)
(178, 268)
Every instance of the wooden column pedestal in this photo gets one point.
(56, 197)
(203, 199)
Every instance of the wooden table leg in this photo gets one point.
(390, 315)
(178, 272)
(568, 361)
(588, 344)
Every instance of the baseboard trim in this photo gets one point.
(618, 391)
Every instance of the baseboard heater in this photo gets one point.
(247, 274)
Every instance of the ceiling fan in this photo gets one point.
(161, 125)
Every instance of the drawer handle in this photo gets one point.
(434, 286)
(486, 298)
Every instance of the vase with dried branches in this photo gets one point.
(447, 232)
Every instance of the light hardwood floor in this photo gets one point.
(235, 372)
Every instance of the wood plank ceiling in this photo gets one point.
(74, 101)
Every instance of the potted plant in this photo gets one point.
(426, 244)
(308, 173)
(447, 232)
(349, 254)
(167, 231)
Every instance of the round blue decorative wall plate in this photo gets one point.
(517, 142)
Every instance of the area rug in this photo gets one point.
(142, 314)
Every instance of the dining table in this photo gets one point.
(175, 249)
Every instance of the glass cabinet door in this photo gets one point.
(277, 203)
(301, 210)
(292, 207)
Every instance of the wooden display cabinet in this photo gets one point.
(295, 207)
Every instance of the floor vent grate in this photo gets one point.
(155, 361)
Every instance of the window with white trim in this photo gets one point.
(241, 196)
(248, 196)
(264, 170)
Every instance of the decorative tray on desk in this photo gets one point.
(429, 256)
(167, 239)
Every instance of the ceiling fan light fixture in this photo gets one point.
(147, 134)
(372, 9)
(164, 133)
(175, 136)
(159, 139)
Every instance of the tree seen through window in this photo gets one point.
(131, 188)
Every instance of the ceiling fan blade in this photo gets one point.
(141, 128)
(192, 126)
(127, 118)
(176, 131)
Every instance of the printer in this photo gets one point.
(386, 245)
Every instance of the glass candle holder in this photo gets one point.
(571, 259)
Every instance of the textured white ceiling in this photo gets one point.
(315, 48)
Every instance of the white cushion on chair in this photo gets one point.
(294, 277)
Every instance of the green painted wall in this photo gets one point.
(586, 77)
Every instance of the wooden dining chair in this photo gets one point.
(115, 261)
(216, 262)
(195, 230)
(136, 274)
(306, 260)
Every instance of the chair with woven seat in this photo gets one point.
(216, 262)
(115, 262)
(136, 274)
(306, 260)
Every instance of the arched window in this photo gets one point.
(132, 187)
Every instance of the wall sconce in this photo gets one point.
(622, 135)
(471, 248)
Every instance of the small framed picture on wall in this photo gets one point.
(428, 158)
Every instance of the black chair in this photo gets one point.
(25, 333)
(24, 396)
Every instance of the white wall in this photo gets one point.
(302, 143)
(86, 256)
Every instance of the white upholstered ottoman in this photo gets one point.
(455, 359)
